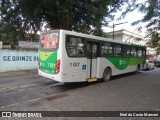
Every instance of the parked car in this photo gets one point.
(149, 65)
(157, 63)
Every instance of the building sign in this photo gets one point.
(28, 44)
(11, 60)
(20, 58)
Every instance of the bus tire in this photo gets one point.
(137, 69)
(107, 74)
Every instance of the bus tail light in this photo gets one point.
(57, 66)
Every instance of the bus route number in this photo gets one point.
(75, 64)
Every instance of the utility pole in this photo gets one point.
(115, 25)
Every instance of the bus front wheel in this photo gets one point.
(107, 74)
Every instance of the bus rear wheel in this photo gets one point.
(137, 69)
(107, 74)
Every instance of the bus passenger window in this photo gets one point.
(75, 46)
(94, 51)
(144, 53)
(139, 52)
(80, 52)
(117, 50)
(126, 51)
(106, 49)
(133, 52)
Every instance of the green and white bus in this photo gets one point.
(67, 56)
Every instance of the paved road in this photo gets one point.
(20, 88)
(129, 92)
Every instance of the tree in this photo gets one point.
(151, 11)
(86, 16)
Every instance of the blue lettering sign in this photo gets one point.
(35, 58)
(9, 58)
(20, 58)
(4, 58)
(23, 58)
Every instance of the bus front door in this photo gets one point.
(91, 60)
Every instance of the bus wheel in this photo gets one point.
(107, 74)
(138, 69)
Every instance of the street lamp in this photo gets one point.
(115, 25)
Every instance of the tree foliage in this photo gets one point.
(86, 16)
(151, 11)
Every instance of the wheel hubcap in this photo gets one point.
(107, 75)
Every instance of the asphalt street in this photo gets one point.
(18, 88)
(128, 92)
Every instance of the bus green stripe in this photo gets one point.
(123, 63)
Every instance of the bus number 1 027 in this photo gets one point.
(75, 64)
(51, 65)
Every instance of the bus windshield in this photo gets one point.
(49, 41)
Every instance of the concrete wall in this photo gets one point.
(18, 60)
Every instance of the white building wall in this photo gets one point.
(128, 37)
(116, 37)
(18, 60)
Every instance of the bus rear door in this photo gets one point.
(92, 51)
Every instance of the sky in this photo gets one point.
(130, 17)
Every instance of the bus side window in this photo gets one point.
(133, 52)
(75, 46)
(139, 51)
(144, 53)
(117, 50)
(106, 49)
(80, 52)
(126, 51)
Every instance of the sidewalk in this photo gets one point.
(18, 73)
